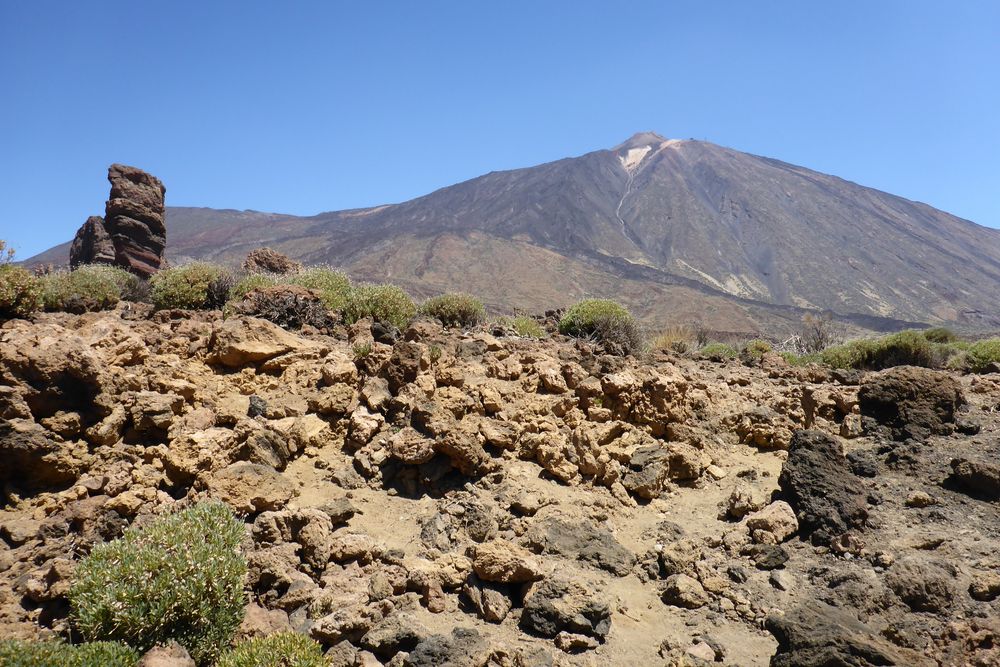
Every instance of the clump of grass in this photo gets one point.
(179, 578)
(87, 288)
(20, 292)
(526, 327)
(753, 351)
(455, 310)
(186, 287)
(17, 653)
(334, 287)
(718, 352)
(284, 649)
(677, 338)
(249, 283)
(981, 354)
(388, 304)
(606, 321)
(361, 350)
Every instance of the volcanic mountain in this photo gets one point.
(680, 230)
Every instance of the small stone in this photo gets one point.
(684, 591)
(782, 580)
(716, 472)
(920, 499)
(574, 643)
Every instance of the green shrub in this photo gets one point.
(455, 310)
(906, 348)
(606, 321)
(718, 352)
(983, 353)
(185, 286)
(180, 578)
(15, 653)
(87, 288)
(940, 335)
(334, 287)
(20, 292)
(755, 350)
(854, 354)
(383, 303)
(249, 283)
(526, 327)
(284, 649)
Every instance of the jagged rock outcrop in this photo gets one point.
(132, 233)
(92, 244)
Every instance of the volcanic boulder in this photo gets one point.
(911, 402)
(132, 233)
(828, 499)
(92, 244)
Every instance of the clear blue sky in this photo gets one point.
(301, 107)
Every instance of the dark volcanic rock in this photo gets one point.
(134, 216)
(92, 244)
(559, 604)
(463, 647)
(979, 478)
(827, 497)
(585, 542)
(818, 635)
(911, 402)
(132, 233)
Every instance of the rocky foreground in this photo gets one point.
(482, 499)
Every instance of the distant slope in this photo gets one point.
(681, 230)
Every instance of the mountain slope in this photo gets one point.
(724, 236)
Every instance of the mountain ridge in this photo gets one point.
(748, 228)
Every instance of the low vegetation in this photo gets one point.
(333, 287)
(526, 327)
(20, 292)
(185, 286)
(285, 649)
(455, 310)
(753, 351)
(718, 352)
(16, 653)
(179, 578)
(679, 338)
(605, 321)
(86, 288)
(388, 304)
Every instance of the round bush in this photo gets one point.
(285, 649)
(15, 653)
(333, 286)
(180, 578)
(383, 303)
(20, 292)
(86, 288)
(185, 286)
(940, 335)
(606, 321)
(455, 310)
(583, 318)
(981, 354)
